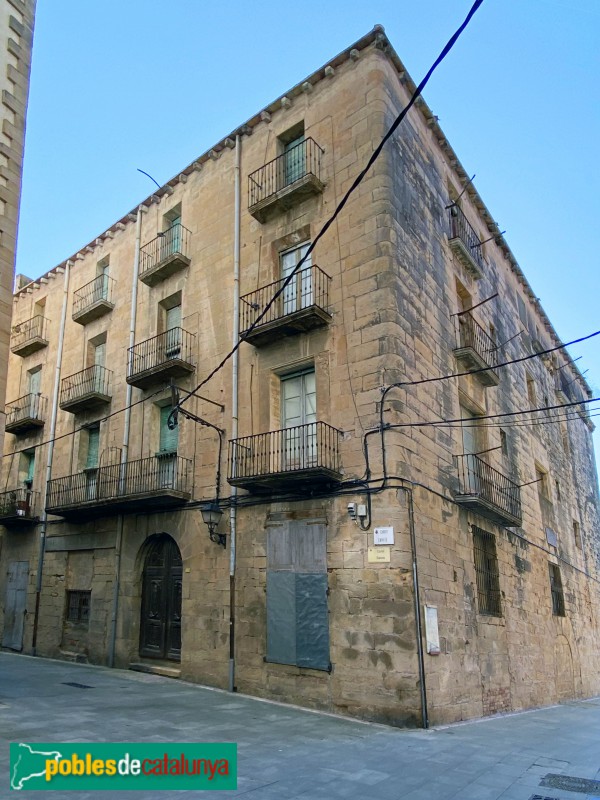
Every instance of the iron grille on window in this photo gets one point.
(556, 591)
(78, 606)
(486, 571)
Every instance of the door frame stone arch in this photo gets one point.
(160, 575)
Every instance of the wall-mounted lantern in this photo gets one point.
(211, 516)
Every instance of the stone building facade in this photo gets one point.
(400, 553)
(16, 37)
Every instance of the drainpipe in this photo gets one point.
(49, 456)
(125, 448)
(234, 404)
(418, 621)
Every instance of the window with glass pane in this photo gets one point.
(294, 160)
(299, 416)
(298, 293)
(173, 332)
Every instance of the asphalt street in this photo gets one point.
(285, 752)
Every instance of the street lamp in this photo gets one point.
(211, 515)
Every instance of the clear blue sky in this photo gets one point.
(148, 84)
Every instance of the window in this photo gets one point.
(503, 443)
(168, 438)
(577, 534)
(31, 405)
(473, 435)
(34, 380)
(298, 293)
(167, 451)
(169, 323)
(486, 572)
(78, 606)
(465, 301)
(103, 280)
(564, 434)
(27, 467)
(91, 462)
(531, 396)
(541, 478)
(171, 238)
(522, 312)
(93, 443)
(297, 613)
(557, 487)
(556, 591)
(298, 418)
(294, 155)
(40, 307)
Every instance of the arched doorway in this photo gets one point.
(160, 624)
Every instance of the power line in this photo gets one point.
(402, 384)
(519, 424)
(357, 181)
(486, 416)
(83, 427)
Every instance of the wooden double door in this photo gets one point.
(160, 624)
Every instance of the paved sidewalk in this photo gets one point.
(286, 753)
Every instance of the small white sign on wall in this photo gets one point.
(383, 536)
(432, 631)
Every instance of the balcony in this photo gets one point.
(149, 484)
(488, 492)
(168, 355)
(305, 455)
(302, 306)
(165, 255)
(26, 414)
(465, 243)
(29, 336)
(285, 181)
(87, 389)
(476, 349)
(93, 300)
(19, 507)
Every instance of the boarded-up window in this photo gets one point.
(297, 615)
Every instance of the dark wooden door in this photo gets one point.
(160, 628)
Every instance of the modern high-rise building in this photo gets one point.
(384, 504)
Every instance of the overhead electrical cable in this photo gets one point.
(357, 181)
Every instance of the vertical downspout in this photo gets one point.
(49, 457)
(234, 404)
(418, 621)
(125, 448)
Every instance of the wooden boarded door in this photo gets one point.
(160, 627)
(15, 606)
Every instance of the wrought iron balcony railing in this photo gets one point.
(292, 175)
(465, 242)
(166, 254)
(26, 413)
(86, 389)
(93, 300)
(487, 491)
(155, 482)
(170, 354)
(306, 453)
(476, 348)
(303, 305)
(29, 336)
(19, 506)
